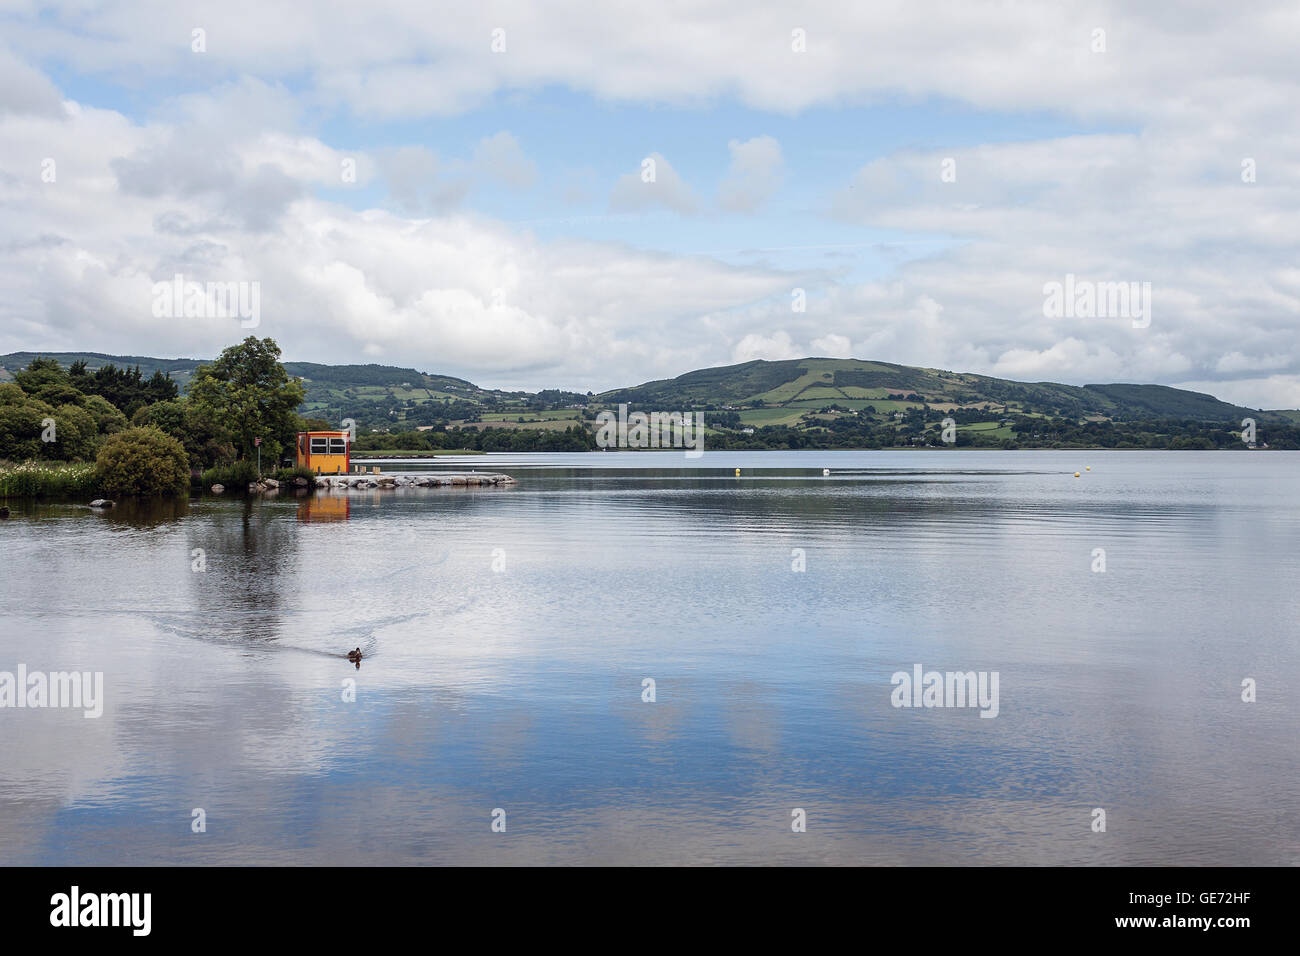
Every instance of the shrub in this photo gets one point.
(142, 461)
(289, 474)
(238, 475)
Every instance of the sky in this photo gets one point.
(466, 189)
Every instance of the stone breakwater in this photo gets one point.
(440, 480)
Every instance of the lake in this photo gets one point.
(510, 636)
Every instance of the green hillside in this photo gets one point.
(801, 384)
(373, 395)
(812, 400)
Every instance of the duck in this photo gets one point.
(355, 656)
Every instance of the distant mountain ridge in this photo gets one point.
(854, 382)
(800, 386)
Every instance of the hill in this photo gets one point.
(371, 394)
(810, 395)
(755, 389)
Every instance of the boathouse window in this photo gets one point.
(338, 446)
(320, 446)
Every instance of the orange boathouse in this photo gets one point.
(326, 453)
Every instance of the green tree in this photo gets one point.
(108, 418)
(249, 392)
(206, 442)
(21, 424)
(142, 461)
(76, 434)
(41, 372)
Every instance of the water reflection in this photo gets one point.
(324, 507)
(506, 639)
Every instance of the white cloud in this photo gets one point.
(774, 347)
(26, 90)
(832, 346)
(221, 182)
(500, 157)
(390, 58)
(656, 183)
(451, 293)
(754, 174)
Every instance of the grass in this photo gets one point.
(46, 478)
(758, 417)
(550, 425)
(554, 414)
(990, 429)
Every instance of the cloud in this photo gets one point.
(229, 181)
(656, 184)
(26, 90)
(390, 59)
(500, 157)
(420, 184)
(774, 347)
(447, 291)
(832, 346)
(754, 174)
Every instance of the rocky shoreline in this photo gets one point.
(463, 479)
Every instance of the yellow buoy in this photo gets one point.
(1076, 474)
(737, 472)
(1087, 467)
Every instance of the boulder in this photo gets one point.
(218, 489)
(270, 483)
(300, 482)
(101, 503)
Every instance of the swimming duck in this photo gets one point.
(355, 656)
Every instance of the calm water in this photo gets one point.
(507, 633)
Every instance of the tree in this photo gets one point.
(39, 373)
(108, 419)
(142, 461)
(22, 422)
(76, 433)
(249, 392)
(205, 440)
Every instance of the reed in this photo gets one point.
(32, 479)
